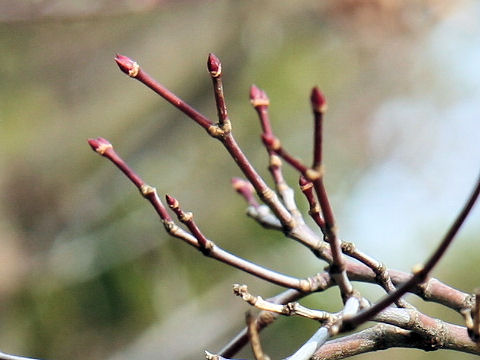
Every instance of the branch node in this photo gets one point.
(275, 161)
(220, 131)
(186, 216)
(306, 285)
(314, 174)
(146, 190)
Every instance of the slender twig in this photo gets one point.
(222, 132)
(260, 102)
(105, 148)
(204, 244)
(289, 309)
(319, 106)
(337, 267)
(254, 338)
(382, 276)
(422, 272)
(132, 69)
(215, 69)
(322, 282)
(314, 211)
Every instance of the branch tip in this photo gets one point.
(318, 100)
(171, 201)
(258, 97)
(127, 65)
(100, 145)
(214, 65)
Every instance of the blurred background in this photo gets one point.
(87, 269)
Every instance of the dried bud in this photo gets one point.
(100, 145)
(171, 201)
(127, 65)
(258, 97)
(214, 65)
(319, 103)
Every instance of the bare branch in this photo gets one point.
(105, 148)
(420, 275)
(133, 69)
(255, 338)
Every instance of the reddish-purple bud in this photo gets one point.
(127, 65)
(100, 145)
(258, 97)
(171, 201)
(319, 103)
(214, 65)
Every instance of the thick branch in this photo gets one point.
(382, 337)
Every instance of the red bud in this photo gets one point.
(100, 145)
(127, 65)
(214, 65)
(171, 201)
(319, 103)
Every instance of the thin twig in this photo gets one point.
(322, 282)
(133, 69)
(215, 69)
(289, 309)
(382, 276)
(260, 102)
(337, 267)
(421, 274)
(314, 211)
(204, 244)
(254, 338)
(105, 148)
(222, 132)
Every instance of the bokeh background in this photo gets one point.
(86, 269)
